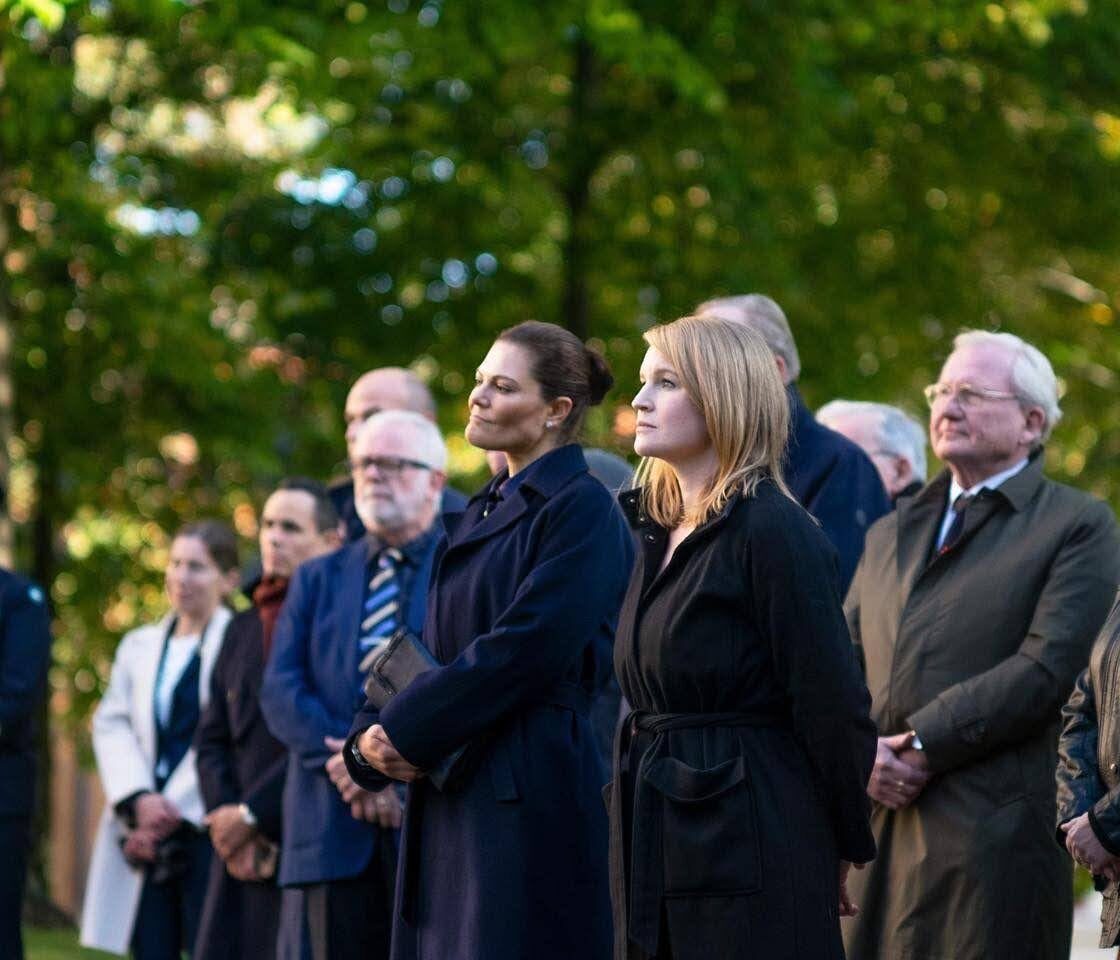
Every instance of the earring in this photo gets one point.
(548, 423)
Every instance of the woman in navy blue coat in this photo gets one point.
(521, 613)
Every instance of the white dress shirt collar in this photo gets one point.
(955, 490)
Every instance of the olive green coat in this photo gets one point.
(977, 650)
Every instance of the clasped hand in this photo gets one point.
(378, 749)
(1086, 849)
(900, 773)
(156, 819)
(382, 807)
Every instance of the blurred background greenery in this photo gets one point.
(214, 216)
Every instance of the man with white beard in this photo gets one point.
(337, 839)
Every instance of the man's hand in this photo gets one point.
(156, 814)
(336, 770)
(1086, 849)
(140, 847)
(387, 807)
(228, 830)
(378, 749)
(847, 907)
(900, 772)
(243, 865)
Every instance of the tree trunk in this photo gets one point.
(575, 305)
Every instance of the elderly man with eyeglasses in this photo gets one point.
(338, 842)
(974, 609)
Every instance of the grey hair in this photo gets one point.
(1032, 376)
(765, 316)
(898, 433)
(430, 447)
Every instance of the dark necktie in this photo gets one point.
(956, 528)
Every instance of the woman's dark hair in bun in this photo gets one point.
(563, 367)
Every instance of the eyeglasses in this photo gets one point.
(386, 466)
(967, 395)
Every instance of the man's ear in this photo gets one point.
(1032, 429)
(783, 370)
(437, 479)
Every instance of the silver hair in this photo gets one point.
(897, 433)
(765, 316)
(1032, 376)
(430, 447)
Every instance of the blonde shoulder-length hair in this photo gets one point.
(729, 373)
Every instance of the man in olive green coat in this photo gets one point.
(974, 609)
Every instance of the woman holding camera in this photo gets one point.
(147, 877)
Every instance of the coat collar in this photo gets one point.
(547, 474)
(919, 517)
(544, 477)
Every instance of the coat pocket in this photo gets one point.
(710, 835)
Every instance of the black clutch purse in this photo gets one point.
(392, 667)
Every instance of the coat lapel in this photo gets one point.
(144, 672)
(507, 512)
(352, 588)
(918, 521)
(212, 645)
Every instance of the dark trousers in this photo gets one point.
(167, 918)
(351, 919)
(15, 842)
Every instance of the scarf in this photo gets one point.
(268, 597)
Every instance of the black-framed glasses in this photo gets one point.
(967, 395)
(386, 466)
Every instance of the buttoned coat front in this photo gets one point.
(521, 612)
(124, 742)
(311, 690)
(977, 649)
(727, 823)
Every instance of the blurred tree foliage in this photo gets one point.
(213, 216)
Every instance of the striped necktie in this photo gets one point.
(381, 612)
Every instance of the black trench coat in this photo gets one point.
(727, 826)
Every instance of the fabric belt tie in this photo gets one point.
(639, 920)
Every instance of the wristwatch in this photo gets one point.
(247, 816)
(916, 741)
(356, 753)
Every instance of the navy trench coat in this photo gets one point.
(521, 612)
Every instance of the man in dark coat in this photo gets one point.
(241, 766)
(974, 609)
(895, 441)
(384, 388)
(25, 654)
(831, 477)
(339, 841)
(1089, 773)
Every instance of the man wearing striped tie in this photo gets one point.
(339, 840)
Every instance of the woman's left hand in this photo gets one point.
(847, 908)
(378, 749)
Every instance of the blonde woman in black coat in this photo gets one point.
(739, 797)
